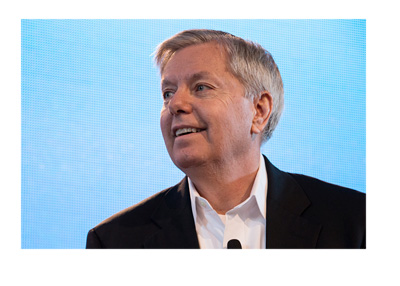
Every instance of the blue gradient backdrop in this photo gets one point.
(91, 143)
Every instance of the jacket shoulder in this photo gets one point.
(341, 212)
(329, 193)
(129, 227)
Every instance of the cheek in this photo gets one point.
(165, 123)
(241, 121)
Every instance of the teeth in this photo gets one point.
(186, 130)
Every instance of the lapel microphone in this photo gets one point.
(234, 244)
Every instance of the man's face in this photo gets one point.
(205, 118)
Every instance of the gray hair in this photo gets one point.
(249, 62)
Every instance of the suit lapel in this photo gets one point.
(286, 228)
(175, 220)
(286, 202)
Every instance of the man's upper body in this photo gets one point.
(223, 97)
(302, 212)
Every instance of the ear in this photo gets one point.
(262, 107)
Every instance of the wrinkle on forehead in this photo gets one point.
(194, 63)
(190, 78)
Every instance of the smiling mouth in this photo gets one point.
(184, 131)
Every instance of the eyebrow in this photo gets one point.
(189, 78)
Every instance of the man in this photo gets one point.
(223, 97)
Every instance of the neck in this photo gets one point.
(226, 184)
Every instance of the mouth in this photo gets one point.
(185, 131)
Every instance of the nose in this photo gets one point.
(180, 102)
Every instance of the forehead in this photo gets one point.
(195, 59)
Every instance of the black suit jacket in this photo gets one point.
(302, 212)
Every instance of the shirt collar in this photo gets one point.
(259, 191)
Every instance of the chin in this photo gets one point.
(184, 161)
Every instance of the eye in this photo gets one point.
(201, 87)
(167, 95)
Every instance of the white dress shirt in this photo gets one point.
(245, 222)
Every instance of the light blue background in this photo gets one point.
(91, 143)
